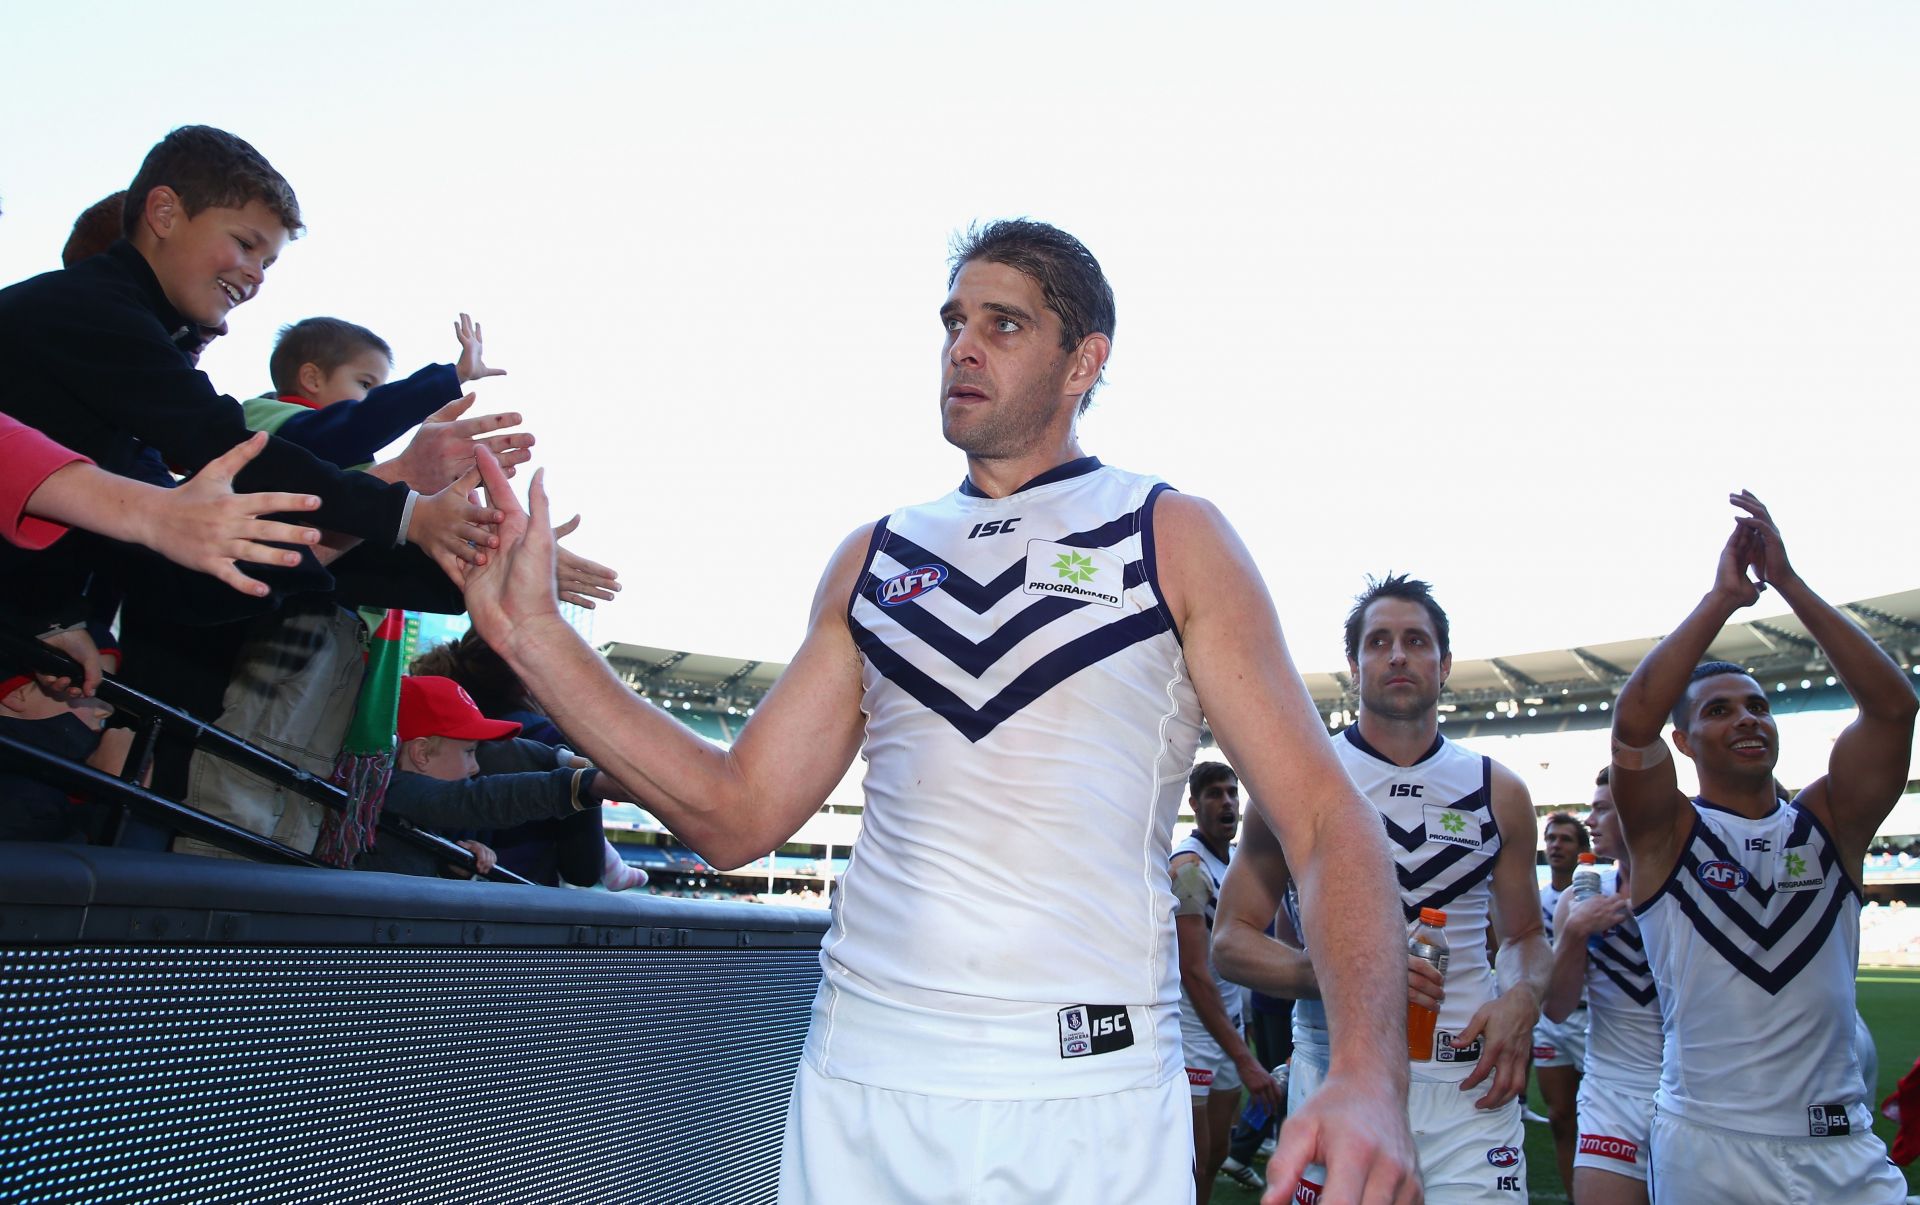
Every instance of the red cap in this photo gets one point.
(433, 706)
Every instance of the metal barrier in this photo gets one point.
(193, 1029)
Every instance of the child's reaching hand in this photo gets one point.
(472, 364)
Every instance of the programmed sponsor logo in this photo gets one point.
(1504, 1156)
(1798, 869)
(1092, 575)
(1606, 1146)
(905, 587)
(1724, 876)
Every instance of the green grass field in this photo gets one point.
(1890, 1002)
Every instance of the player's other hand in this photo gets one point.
(484, 859)
(1426, 986)
(1597, 915)
(1261, 1085)
(442, 449)
(512, 597)
(1730, 580)
(1766, 551)
(1357, 1130)
(1506, 1023)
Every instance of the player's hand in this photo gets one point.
(511, 598)
(1506, 1024)
(442, 449)
(203, 525)
(1358, 1131)
(1597, 915)
(578, 579)
(448, 527)
(484, 859)
(77, 644)
(1426, 986)
(1766, 552)
(472, 364)
(1260, 1084)
(1730, 580)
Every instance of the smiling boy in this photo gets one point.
(91, 358)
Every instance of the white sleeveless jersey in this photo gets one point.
(1030, 725)
(1754, 940)
(1623, 1010)
(1230, 993)
(1550, 900)
(1439, 818)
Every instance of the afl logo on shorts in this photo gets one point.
(1724, 876)
(909, 585)
(1504, 1156)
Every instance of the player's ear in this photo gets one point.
(1680, 741)
(311, 379)
(1446, 667)
(1088, 359)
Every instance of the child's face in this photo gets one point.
(214, 261)
(350, 382)
(450, 760)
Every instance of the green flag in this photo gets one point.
(366, 759)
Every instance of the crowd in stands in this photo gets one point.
(247, 562)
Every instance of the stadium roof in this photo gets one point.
(1541, 691)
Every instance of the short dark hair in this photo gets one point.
(210, 168)
(1706, 669)
(98, 225)
(1579, 826)
(1604, 777)
(325, 342)
(1396, 585)
(485, 675)
(1071, 282)
(1206, 774)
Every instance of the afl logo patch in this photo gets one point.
(909, 585)
(1503, 1156)
(1724, 876)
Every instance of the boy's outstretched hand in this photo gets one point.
(205, 526)
(510, 595)
(580, 580)
(442, 449)
(472, 364)
(448, 527)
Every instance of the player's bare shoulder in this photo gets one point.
(1194, 546)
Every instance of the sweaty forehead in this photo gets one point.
(983, 282)
(1397, 615)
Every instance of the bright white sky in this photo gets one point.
(1508, 294)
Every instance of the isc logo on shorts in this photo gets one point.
(1828, 1121)
(1609, 1147)
(1093, 1029)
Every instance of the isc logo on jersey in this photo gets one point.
(909, 585)
(1724, 876)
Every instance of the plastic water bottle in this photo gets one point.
(1427, 941)
(1586, 880)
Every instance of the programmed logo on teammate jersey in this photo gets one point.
(1452, 826)
(1092, 575)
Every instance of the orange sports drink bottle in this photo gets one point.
(1428, 940)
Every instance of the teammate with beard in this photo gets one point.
(1461, 830)
(1600, 965)
(1218, 1061)
(1560, 1047)
(1024, 664)
(1749, 905)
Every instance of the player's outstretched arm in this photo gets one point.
(1505, 1023)
(1867, 770)
(1654, 815)
(730, 806)
(1267, 726)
